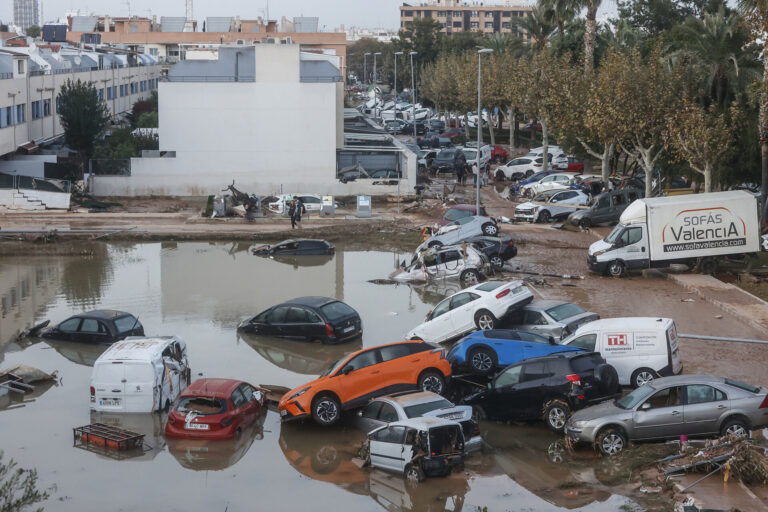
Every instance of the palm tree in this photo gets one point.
(756, 13)
(504, 43)
(539, 25)
(590, 34)
(563, 12)
(719, 53)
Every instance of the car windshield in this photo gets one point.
(416, 411)
(456, 214)
(635, 397)
(544, 196)
(445, 155)
(336, 310)
(614, 235)
(334, 367)
(489, 286)
(566, 310)
(539, 175)
(201, 405)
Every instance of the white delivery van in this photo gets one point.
(640, 348)
(140, 375)
(695, 229)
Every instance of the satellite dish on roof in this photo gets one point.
(78, 60)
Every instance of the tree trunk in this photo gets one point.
(511, 131)
(560, 28)
(491, 135)
(605, 170)
(515, 128)
(466, 125)
(545, 146)
(589, 38)
(708, 177)
(646, 162)
(764, 134)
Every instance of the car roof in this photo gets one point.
(514, 282)
(424, 422)
(103, 314)
(568, 354)
(628, 323)
(688, 379)
(545, 304)
(409, 398)
(314, 301)
(136, 348)
(466, 207)
(212, 387)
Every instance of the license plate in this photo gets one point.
(109, 402)
(349, 329)
(284, 412)
(197, 426)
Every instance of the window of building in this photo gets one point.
(21, 67)
(109, 93)
(134, 87)
(442, 14)
(100, 94)
(4, 117)
(408, 14)
(143, 85)
(506, 14)
(36, 110)
(20, 113)
(506, 24)
(46, 108)
(457, 14)
(488, 24)
(153, 51)
(134, 27)
(457, 24)
(475, 14)
(474, 24)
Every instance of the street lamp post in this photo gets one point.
(400, 176)
(375, 78)
(413, 96)
(365, 67)
(479, 126)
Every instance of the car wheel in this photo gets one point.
(556, 452)
(642, 376)
(497, 262)
(435, 243)
(616, 269)
(528, 173)
(500, 176)
(326, 410)
(470, 276)
(432, 381)
(544, 216)
(482, 360)
(611, 441)
(490, 229)
(497, 159)
(708, 266)
(585, 223)
(325, 460)
(414, 475)
(735, 427)
(478, 414)
(556, 413)
(484, 320)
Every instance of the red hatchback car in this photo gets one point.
(215, 409)
(499, 154)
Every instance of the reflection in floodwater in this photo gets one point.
(203, 455)
(85, 354)
(84, 277)
(151, 425)
(305, 357)
(11, 400)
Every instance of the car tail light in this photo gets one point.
(537, 165)
(226, 421)
(764, 405)
(93, 394)
(503, 293)
(574, 379)
(510, 244)
(329, 329)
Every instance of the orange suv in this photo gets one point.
(366, 374)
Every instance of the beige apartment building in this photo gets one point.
(457, 16)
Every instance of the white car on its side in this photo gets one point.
(481, 306)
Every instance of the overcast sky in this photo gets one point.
(332, 13)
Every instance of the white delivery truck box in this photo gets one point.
(139, 375)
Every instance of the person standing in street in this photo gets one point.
(298, 211)
(292, 213)
(475, 173)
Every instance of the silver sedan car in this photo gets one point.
(551, 318)
(692, 405)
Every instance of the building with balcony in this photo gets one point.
(457, 16)
(26, 13)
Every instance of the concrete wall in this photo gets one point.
(27, 199)
(27, 165)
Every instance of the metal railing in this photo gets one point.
(19, 182)
(220, 78)
(320, 79)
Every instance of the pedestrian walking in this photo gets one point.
(298, 211)
(476, 174)
(460, 174)
(292, 213)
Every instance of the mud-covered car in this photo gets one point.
(303, 247)
(497, 250)
(546, 388)
(417, 447)
(466, 263)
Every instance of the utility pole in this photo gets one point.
(400, 172)
(413, 96)
(396, 55)
(479, 126)
(365, 67)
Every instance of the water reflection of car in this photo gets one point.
(13, 400)
(307, 318)
(150, 425)
(84, 354)
(205, 455)
(307, 359)
(97, 326)
(301, 247)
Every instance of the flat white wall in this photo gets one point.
(27, 165)
(11, 198)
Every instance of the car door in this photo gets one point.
(462, 312)
(67, 330)
(395, 370)
(388, 449)
(504, 395)
(92, 331)
(532, 390)
(275, 324)
(660, 416)
(704, 406)
(632, 249)
(297, 324)
(311, 203)
(533, 321)
(603, 209)
(369, 416)
(450, 263)
(439, 326)
(360, 379)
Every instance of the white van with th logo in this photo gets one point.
(640, 348)
(139, 375)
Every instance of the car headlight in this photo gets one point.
(599, 253)
(298, 393)
(578, 424)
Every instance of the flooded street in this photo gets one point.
(200, 291)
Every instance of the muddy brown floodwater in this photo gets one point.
(200, 291)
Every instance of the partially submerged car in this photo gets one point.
(692, 405)
(546, 388)
(97, 326)
(139, 375)
(416, 404)
(481, 306)
(465, 262)
(307, 318)
(551, 318)
(417, 447)
(551, 204)
(215, 409)
(486, 352)
(298, 247)
(366, 374)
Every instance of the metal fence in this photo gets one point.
(16, 182)
(106, 167)
(221, 78)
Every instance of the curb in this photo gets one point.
(723, 305)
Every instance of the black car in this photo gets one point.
(304, 247)
(97, 326)
(436, 125)
(546, 388)
(497, 249)
(307, 318)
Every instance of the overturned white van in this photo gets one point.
(640, 348)
(140, 375)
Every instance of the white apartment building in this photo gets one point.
(26, 13)
(267, 116)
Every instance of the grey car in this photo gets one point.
(551, 318)
(460, 230)
(693, 405)
(415, 404)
